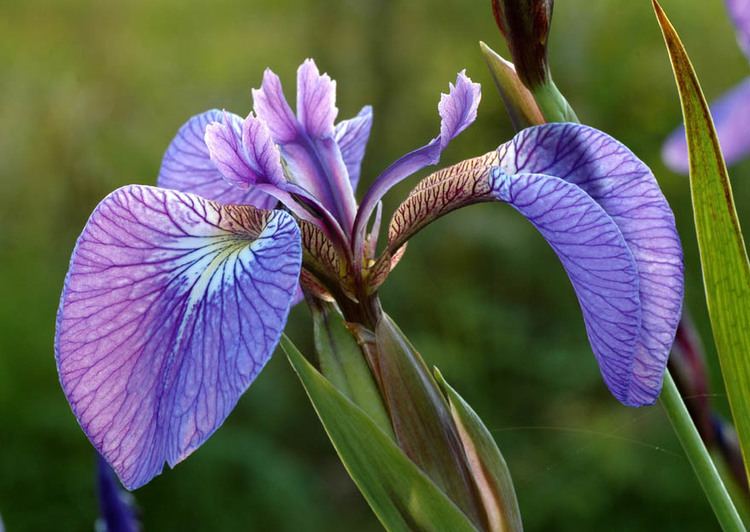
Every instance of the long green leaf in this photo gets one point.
(402, 497)
(726, 271)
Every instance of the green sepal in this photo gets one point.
(343, 363)
(491, 473)
(400, 495)
(726, 270)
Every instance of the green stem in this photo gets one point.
(699, 458)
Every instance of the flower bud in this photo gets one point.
(525, 25)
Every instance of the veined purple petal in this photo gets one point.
(313, 158)
(171, 306)
(731, 114)
(597, 260)
(115, 504)
(628, 192)
(187, 166)
(316, 100)
(244, 153)
(739, 12)
(352, 136)
(457, 109)
(271, 106)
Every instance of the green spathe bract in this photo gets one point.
(402, 497)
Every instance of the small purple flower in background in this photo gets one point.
(116, 506)
(177, 296)
(731, 112)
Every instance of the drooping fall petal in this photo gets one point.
(612, 177)
(187, 166)
(171, 306)
(731, 114)
(597, 259)
(627, 191)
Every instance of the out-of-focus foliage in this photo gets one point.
(90, 95)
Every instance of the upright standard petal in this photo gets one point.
(187, 166)
(352, 136)
(171, 306)
(627, 191)
(739, 11)
(312, 156)
(731, 114)
(597, 259)
(457, 109)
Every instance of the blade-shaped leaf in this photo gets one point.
(487, 463)
(726, 271)
(402, 497)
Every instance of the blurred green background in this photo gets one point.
(91, 92)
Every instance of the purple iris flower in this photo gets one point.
(731, 112)
(115, 504)
(177, 296)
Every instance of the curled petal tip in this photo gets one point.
(458, 108)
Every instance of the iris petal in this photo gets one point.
(244, 152)
(595, 256)
(171, 306)
(731, 114)
(352, 136)
(115, 504)
(307, 143)
(739, 11)
(628, 192)
(187, 166)
(457, 109)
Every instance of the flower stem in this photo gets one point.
(696, 451)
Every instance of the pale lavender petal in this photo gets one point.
(187, 166)
(457, 109)
(731, 115)
(116, 506)
(739, 12)
(171, 306)
(597, 260)
(244, 153)
(224, 141)
(352, 136)
(261, 153)
(271, 106)
(316, 100)
(313, 159)
(628, 192)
